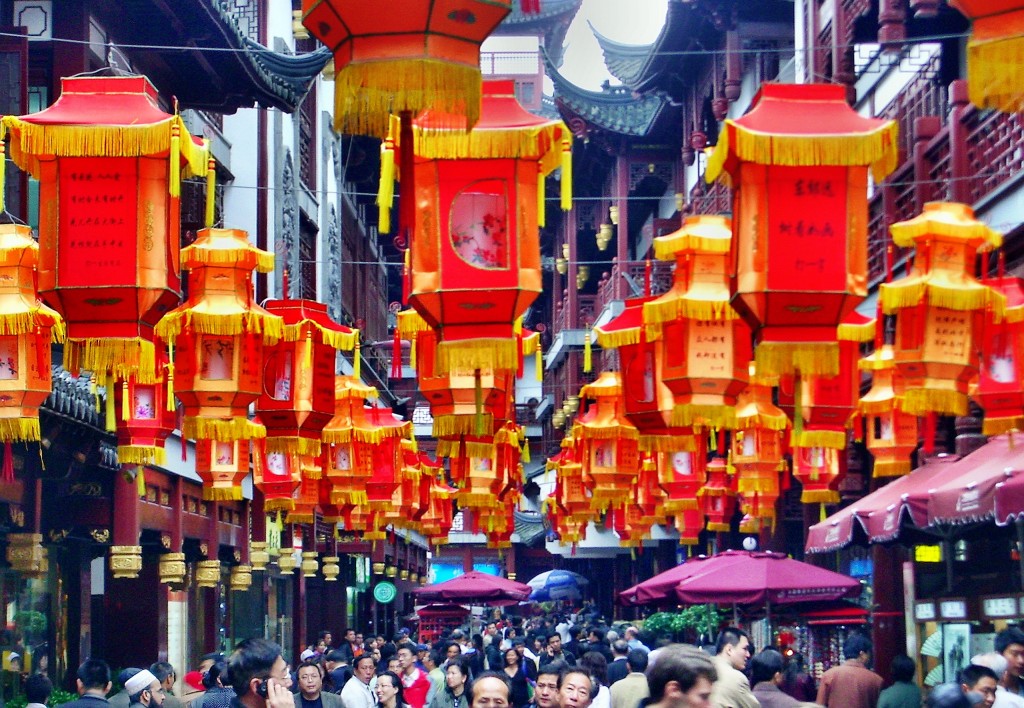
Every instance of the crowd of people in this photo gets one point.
(543, 663)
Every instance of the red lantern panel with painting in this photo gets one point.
(718, 496)
(147, 418)
(386, 452)
(307, 497)
(277, 476)
(819, 470)
(222, 466)
(1000, 390)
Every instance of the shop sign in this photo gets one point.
(997, 607)
(274, 528)
(924, 611)
(385, 592)
(928, 554)
(953, 609)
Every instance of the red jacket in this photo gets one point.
(415, 688)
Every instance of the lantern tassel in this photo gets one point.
(396, 355)
(406, 277)
(520, 360)
(111, 414)
(542, 217)
(8, 466)
(478, 400)
(566, 175)
(386, 188)
(126, 407)
(211, 187)
(588, 355)
(412, 352)
(524, 455)
(307, 354)
(3, 176)
(140, 481)
(356, 360)
(175, 157)
(538, 363)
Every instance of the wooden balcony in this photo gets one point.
(625, 281)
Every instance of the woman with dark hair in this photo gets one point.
(520, 684)
(476, 656)
(903, 693)
(596, 665)
(796, 681)
(455, 693)
(218, 687)
(389, 691)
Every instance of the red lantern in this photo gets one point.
(382, 438)
(346, 470)
(650, 497)
(109, 163)
(407, 57)
(611, 457)
(276, 475)
(1000, 391)
(892, 434)
(705, 347)
(689, 524)
(147, 419)
(681, 474)
(940, 307)
(307, 496)
(218, 336)
(819, 470)
(798, 164)
(297, 399)
(718, 496)
(994, 75)
(475, 258)
(223, 466)
(27, 327)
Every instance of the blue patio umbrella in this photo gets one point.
(557, 585)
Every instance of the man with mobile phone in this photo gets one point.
(259, 675)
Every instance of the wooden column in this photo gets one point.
(959, 162)
(622, 230)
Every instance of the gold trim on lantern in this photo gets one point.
(390, 571)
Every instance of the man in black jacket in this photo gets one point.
(617, 670)
(93, 685)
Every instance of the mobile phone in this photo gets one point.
(263, 688)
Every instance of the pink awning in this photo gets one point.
(942, 492)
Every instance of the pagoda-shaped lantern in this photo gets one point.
(1000, 390)
(689, 524)
(27, 327)
(277, 475)
(382, 438)
(758, 446)
(798, 163)
(307, 497)
(223, 466)
(681, 474)
(819, 470)
(148, 417)
(995, 72)
(940, 307)
(891, 434)
(475, 259)
(609, 442)
(718, 496)
(297, 397)
(348, 460)
(218, 336)
(109, 162)
(705, 346)
(405, 57)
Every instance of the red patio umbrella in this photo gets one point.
(475, 587)
(746, 578)
(661, 588)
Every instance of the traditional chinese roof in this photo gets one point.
(624, 61)
(614, 109)
(195, 51)
(551, 23)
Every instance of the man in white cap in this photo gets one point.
(144, 689)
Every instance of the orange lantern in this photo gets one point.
(218, 336)
(689, 524)
(27, 327)
(718, 496)
(437, 522)
(297, 399)
(650, 497)
(405, 502)
(223, 466)
(109, 163)
(705, 346)
(348, 459)
(611, 457)
(798, 164)
(382, 437)
(407, 57)
(307, 496)
(628, 524)
(940, 307)
(147, 419)
(1000, 391)
(475, 259)
(681, 474)
(277, 476)
(891, 433)
(994, 72)
(758, 446)
(819, 470)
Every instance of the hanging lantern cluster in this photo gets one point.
(798, 164)
(217, 339)
(758, 447)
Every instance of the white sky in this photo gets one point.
(626, 21)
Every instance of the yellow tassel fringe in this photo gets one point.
(342, 341)
(998, 426)
(466, 356)
(222, 430)
(994, 73)
(716, 527)
(617, 338)
(15, 323)
(712, 416)
(449, 426)
(856, 332)
(810, 358)
(356, 497)
(375, 436)
(293, 446)
(198, 255)
(271, 327)
(272, 505)
(878, 148)
(19, 429)
(566, 178)
(226, 494)
(537, 142)
(897, 296)
(891, 468)
(835, 439)
(919, 401)
(341, 436)
(141, 455)
(588, 356)
(367, 93)
(668, 443)
(479, 449)
(386, 188)
(819, 496)
(135, 357)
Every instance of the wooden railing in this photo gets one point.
(613, 286)
(585, 312)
